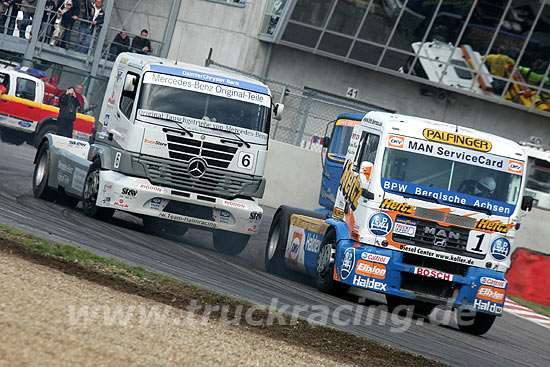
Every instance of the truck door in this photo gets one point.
(25, 110)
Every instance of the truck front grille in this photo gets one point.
(432, 235)
(214, 182)
(216, 155)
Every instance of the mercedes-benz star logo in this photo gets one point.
(197, 167)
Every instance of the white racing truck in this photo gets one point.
(425, 213)
(176, 144)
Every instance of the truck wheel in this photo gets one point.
(275, 249)
(91, 189)
(41, 173)
(476, 325)
(229, 243)
(325, 267)
(159, 226)
(42, 132)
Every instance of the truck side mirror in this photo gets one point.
(527, 203)
(326, 141)
(278, 109)
(130, 83)
(365, 171)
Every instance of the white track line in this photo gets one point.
(526, 313)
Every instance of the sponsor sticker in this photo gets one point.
(495, 226)
(120, 204)
(493, 282)
(349, 183)
(347, 263)
(188, 220)
(458, 140)
(369, 283)
(375, 258)
(396, 141)
(405, 227)
(255, 216)
(345, 122)
(154, 143)
(234, 204)
(296, 243)
(515, 166)
(313, 242)
(106, 119)
(500, 249)
(155, 203)
(487, 306)
(380, 224)
(431, 273)
(151, 188)
(370, 269)
(129, 192)
(389, 204)
(491, 294)
(224, 216)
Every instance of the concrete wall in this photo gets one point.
(293, 176)
(534, 232)
(331, 76)
(231, 31)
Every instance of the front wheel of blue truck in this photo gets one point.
(325, 267)
(477, 324)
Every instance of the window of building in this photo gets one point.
(239, 3)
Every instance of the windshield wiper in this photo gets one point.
(476, 208)
(178, 125)
(232, 132)
(409, 195)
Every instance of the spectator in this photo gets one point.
(8, 8)
(120, 44)
(70, 14)
(141, 45)
(5, 85)
(81, 98)
(64, 17)
(27, 7)
(47, 21)
(498, 65)
(94, 15)
(68, 105)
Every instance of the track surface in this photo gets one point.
(511, 342)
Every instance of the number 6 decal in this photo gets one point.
(246, 160)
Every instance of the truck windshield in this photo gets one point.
(199, 104)
(451, 181)
(538, 178)
(339, 144)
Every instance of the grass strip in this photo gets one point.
(543, 310)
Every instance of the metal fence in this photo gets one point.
(307, 112)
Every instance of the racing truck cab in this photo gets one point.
(425, 213)
(176, 144)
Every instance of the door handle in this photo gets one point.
(30, 107)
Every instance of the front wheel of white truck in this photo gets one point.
(91, 190)
(229, 243)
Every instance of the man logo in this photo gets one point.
(197, 167)
(396, 141)
(515, 166)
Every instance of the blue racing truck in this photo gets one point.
(425, 213)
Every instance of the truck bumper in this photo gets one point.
(420, 278)
(139, 196)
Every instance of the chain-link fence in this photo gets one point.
(307, 112)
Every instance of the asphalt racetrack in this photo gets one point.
(511, 341)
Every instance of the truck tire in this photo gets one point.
(41, 173)
(159, 226)
(481, 324)
(91, 189)
(275, 249)
(325, 267)
(47, 129)
(229, 243)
